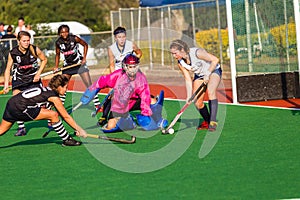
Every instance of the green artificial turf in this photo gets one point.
(253, 155)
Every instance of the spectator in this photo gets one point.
(21, 26)
(31, 32)
(9, 41)
(2, 31)
(2, 49)
(9, 34)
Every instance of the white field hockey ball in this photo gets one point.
(171, 131)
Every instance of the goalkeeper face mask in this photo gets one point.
(131, 65)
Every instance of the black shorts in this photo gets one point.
(11, 114)
(136, 106)
(22, 86)
(76, 70)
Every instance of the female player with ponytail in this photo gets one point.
(206, 69)
(23, 63)
(31, 104)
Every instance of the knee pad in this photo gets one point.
(157, 107)
(123, 124)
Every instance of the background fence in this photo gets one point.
(264, 31)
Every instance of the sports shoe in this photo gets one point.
(212, 126)
(203, 126)
(71, 142)
(102, 121)
(21, 132)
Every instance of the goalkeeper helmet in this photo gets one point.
(131, 65)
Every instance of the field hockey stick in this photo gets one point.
(45, 74)
(190, 100)
(94, 113)
(119, 140)
(70, 112)
(59, 69)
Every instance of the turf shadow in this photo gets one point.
(295, 112)
(188, 123)
(93, 127)
(34, 141)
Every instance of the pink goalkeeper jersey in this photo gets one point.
(126, 91)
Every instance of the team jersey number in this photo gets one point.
(30, 93)
(18, 58)
(62, 46)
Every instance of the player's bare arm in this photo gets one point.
(7, 74)
(44, 60)
(64, 114)
(57, 57)
(85, 48)
(188, 80)
(204, 55)
(111, 58)
(137, 50)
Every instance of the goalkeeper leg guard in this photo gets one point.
(123, 124)
(157, 107)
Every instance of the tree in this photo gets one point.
(93, 13)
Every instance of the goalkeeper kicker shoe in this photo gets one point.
(102, 121)
(71, 142)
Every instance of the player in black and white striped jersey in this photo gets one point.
(25, 68)
(31, 104)
(68, 45)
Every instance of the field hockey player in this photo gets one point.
(206, 69)
(131, 92)
(68, 45)
(31, 105)
(25, 69)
